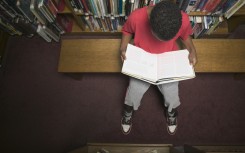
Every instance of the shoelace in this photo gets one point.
(126, 119)
(172, 120)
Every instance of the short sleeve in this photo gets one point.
(186, 29)
(129, 25)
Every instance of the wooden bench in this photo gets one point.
(102, 55)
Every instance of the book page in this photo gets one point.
(140, 64)
(174, 64)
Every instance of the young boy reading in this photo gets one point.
(155, 29)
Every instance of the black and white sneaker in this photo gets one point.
(126, 124)
(171, 121)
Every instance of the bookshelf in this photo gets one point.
(222, 31)
(81, 27)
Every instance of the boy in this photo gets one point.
(155, 29)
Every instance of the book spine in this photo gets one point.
(40, 18)
(184, 5)
(201, 5)
(212, 5)
(65, 22)
(24, 7)
(60, 5)
(234, 8)
(41, 33)
(190, 6)
(218, 9)
(228, 5)
(5, 8)
(51, 33)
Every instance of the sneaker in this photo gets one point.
(171, 122)
(126, 125)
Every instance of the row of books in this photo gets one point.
(205, 25)
(30, 17)
(109, 15)
(105, 15)
(102, 8)
(211, 7)
(42, 16)
(104, 24)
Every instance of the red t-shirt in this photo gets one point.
(139, 24)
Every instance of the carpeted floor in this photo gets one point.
(44, 111)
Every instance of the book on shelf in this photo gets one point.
(73, 5)
(60, 5)
(202, 25)
(201, 4)
(226, 5)
(234, 8)
(190, 5)
(65, 22)
(79, 5)
(34, 9)
(157, 68)
(8, 26)
(5, 8)
(210, 6)
(216, 21)
(52, 8)
(26, 27)
(85, 7)
(44, 11)
(24, 8)
(179, 2)
(218, 8)
(48, 9)
(12, 5)
(195, 6)
(185, 4)
(88, 22)
(41, 32)
(51, 32)
(101, 8)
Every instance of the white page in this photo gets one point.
(140, 63)
(174, 64)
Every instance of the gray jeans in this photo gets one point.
(137, 89)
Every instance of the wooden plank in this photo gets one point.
(90, 55)
(220, 55)
(102, 55)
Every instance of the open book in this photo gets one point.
(157, 68)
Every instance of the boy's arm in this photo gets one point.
(192, 50)
(124, 42)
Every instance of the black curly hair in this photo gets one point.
(165, 20)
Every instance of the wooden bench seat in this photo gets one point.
(102, 55)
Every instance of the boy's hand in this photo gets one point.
(123, 55)
(193, 58)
